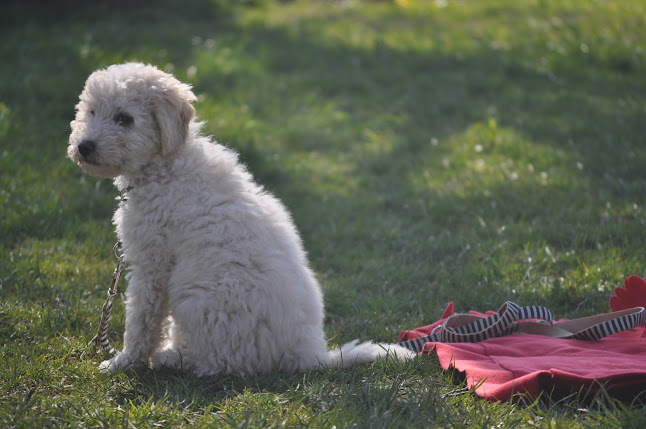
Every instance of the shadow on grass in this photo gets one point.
(315, 391)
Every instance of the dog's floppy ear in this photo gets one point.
(173, 112)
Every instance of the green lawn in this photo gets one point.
(430, 151)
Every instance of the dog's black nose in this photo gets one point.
(86, 147)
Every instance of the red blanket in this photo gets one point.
(503, 368)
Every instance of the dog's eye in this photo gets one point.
(123, 119)
(92, 112)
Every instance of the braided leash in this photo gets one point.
(101, 338)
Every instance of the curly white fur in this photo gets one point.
(219, 280)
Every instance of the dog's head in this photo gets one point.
(129, 115)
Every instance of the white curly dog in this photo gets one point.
(219, 282)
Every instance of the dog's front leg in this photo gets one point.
(146, 310)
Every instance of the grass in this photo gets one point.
(431, 151)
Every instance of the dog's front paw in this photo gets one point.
(121, 362)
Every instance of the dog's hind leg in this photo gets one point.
(170, 358)
(173, 353)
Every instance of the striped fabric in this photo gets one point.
(462, 328)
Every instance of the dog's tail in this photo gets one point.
(355, 353)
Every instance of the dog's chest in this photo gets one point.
(140, 220)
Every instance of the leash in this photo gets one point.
(513, 319)
(101, 338)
